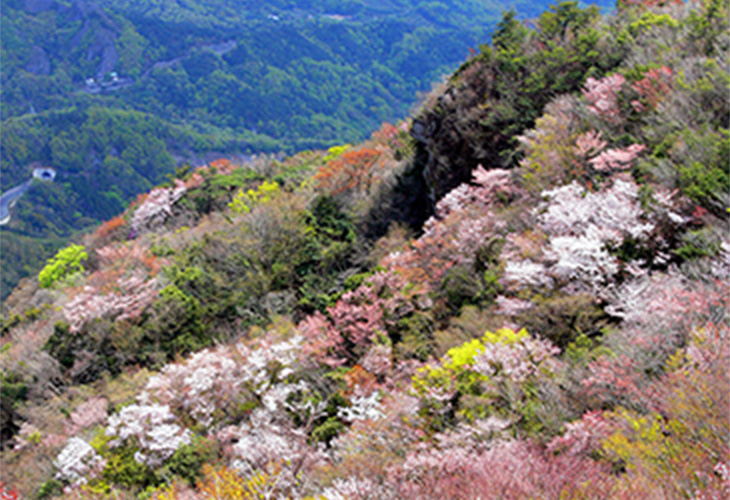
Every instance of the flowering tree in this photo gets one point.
(603, 96)
(77, 461)
(157, 206)
(154, 429)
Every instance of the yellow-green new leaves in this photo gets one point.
(456, 372)
(66, 262)
(244, 201)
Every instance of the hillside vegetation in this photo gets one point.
(520, 292)
(114, 97)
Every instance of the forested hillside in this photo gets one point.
(522, 291)
(115, 94)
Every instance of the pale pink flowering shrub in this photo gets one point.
(488, 186)
(513, 469)
(77, 462)
(582, 436)
(589, 144)
(658, 314)
(512, 306)
(211, 381)
(269, 442)
(200, 387)
(581, 225)
(352, 324)
(87, 414)
(515, 361)
(603, 96)
(132, 297)
(617, 159)
(153, 428)
(157, 207)
(378, 360)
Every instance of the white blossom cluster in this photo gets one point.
(198, 387)
(77, 461)
(581, 226)
(363, 408)
(155, 429)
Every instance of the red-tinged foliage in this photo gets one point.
(359, 381)
(111, 228)
(223, 166)
(682, 445)
(355, 170)
(654, 87)
(658, 315)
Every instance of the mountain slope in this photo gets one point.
(556, 328)
(246, 78)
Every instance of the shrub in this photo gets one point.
(66, 262)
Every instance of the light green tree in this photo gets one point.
(66, 262)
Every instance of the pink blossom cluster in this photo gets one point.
(352, 324)
(603, 96)
(158, 206)
(657, 313)
(589, 144)
(112, 255)
(652, 88)
(378, 360)
(515, 469)
(133, 297)
(582, 436)
(487, 185)
(89, 413)
(617, 159)
(515, 361)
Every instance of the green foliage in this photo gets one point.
(122, 469)
(414, 337)
(187, 462)
(328, 430)
(563, 318)
(62, 345)
(707, 181)
(65, 263)
(50, 489)
(176, 325)
(13, 392)
(569, 45)
(650, 19)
